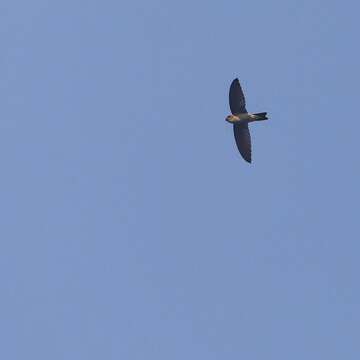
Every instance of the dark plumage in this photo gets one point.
(240, 119)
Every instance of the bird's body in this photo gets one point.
(244, 118)
(240, 119)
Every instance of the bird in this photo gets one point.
(240, 119)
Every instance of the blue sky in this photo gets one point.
(130, 226)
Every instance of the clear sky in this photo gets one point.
(131, 228)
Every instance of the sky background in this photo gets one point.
(131, 228)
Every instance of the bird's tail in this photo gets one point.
(261, 116)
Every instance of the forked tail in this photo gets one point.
(261, 116)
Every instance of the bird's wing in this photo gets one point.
(243, 140)
(236, 98)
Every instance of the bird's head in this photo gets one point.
(230, 118)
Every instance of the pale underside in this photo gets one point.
(242, 118)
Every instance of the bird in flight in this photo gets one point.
(240, 119)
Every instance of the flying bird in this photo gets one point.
(240, 119)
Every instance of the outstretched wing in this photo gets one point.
(243, 140)
(236, 98)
